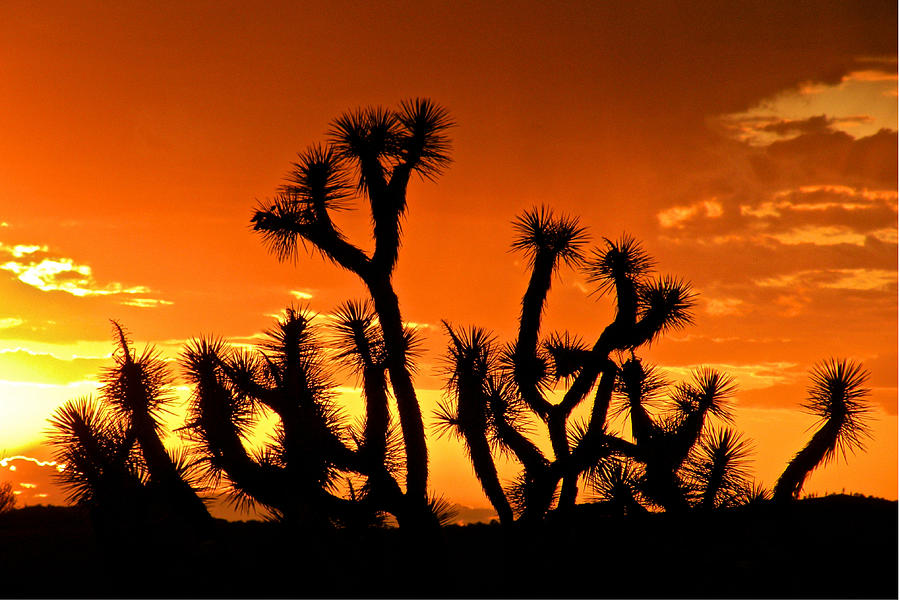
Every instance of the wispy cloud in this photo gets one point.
(34, 265)
(747, 377)
(845, 279)
(724, 306)
(820, 236)
(10, 322)
(146, 302)
(864, 279)
(677, 216)
(859, 105)
(7, 462)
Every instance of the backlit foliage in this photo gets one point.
(676, 451)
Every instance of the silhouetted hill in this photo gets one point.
(831, 547)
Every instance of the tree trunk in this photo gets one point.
(483, 463)
(163, 473)
(388, 308)
(529, 326)
(791, 481)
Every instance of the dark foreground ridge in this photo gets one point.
(833, 547)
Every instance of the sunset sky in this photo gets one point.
(752, 148)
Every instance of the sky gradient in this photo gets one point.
(752, 149)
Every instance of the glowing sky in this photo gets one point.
(752, 148)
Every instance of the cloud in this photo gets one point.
(815, 158)
(871, 75)
(64, 275)
(864, 279)
(888, 236)
(35, 266)
(724, 306)
(146, 302)
(753, 128)
(34, 481)
(820, 236)
(748, 377)
(842, 279)
(858, 105)
(677, 216)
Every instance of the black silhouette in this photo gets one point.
(671, 464)
(372, 152)
(333, 482)
(116, 461)
(838, 398)
(7, 498)
(314, 449)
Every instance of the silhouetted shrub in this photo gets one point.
(7, 498)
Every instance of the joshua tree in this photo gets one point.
(115, 460)
(372, 153)
(838, 397)
(297, 474)
(492, 388)
(102, 466)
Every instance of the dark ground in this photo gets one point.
(833, 547)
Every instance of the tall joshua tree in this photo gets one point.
(838, 397)
(371, 153)
(491, 389)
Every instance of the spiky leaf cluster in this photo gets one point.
(378, 139)
(639, 385)
(620, 260)
(837, 395)
(567, 353)
(424, 142)
(664, 304)
(137, 386)
(618, 482)
(98, 451)
(542, 235)
(708, 391)
(357, 337)
(718, 468)
(318, 181)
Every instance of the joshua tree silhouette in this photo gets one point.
(296, 473)
(838, 397)
(115, 460)
(491, 389)
(320, 470)
(372, 152)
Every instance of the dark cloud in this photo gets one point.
(818, 124)
(834, 157)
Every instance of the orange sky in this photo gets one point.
(753, 149)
